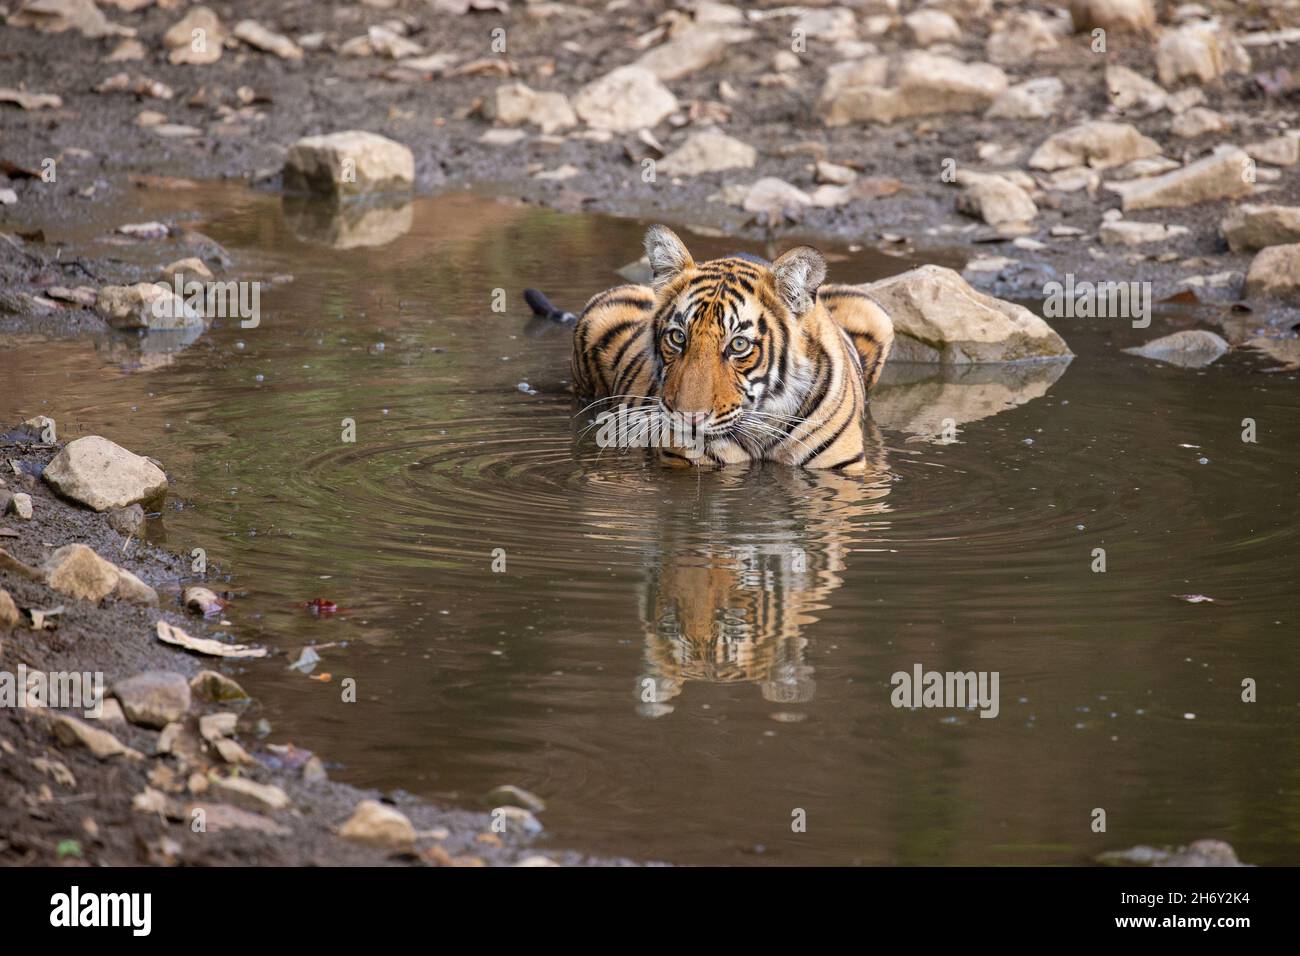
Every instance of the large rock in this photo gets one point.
(1249, 227)
(956, 324)
(378, 825)
(516, 103)
(1275, 274)
(1097, 144)
(146, 305)
(101, 474)
(1191, 348)
(154, 698)
(624, 100)
(1221, 175)
(77, 571)
(995, 200)
(348, 163)
(1032, 99)
(924, 84)
(709, 151)
(691, 51)
(1203, 51)
(1116, 15)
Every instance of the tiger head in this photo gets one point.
(727, 334)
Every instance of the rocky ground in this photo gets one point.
(1161, 149)
(179, 768)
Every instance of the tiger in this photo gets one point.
(750, 361)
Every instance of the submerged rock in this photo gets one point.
(956, 324)
(101, 474)
(146, 305)
(508, 795)
(348, 163)
(1191, 348)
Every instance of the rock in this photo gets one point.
(30, 101)
(1020, 37)
(1116, 15)
(515, 103)
(212, 727)
(1278, 151)
(348, 163)
(73, 732)
(56, 16)
(256, 35)
(1097, 144)
(146, 305)
(100, 474)
(250, 795)
(388, 43)
(190, 269)
(127, 51)
(1131, 92)
(932, 26)
(1121, 232)
(219, 816)
(1198, 122)
(1192, 348)
(835, 174)
(838, 104)
(1033, 99)
(830, 24)
(1250, 227)
(709, 151)
(1203, 51)
(508, 795)
(187, 45)
(775, 198)
(517, 821)
(12, 565)
(201, 600)
(624, 100)
(1199, 853)
(691, 51)
(77, 571)
(9, 615)
(924, 84)
(154, 698)
(995, 200)
(20, 506)
(39, 428)
(216, 688)
(1221, 175)
(132, 589)
(1184, 100)
(378, 825)
(938, 309)
(1275, 274)
(126, 521)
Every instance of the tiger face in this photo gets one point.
(727, 338)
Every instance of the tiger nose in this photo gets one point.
(694, 418)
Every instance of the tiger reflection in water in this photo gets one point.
(729, 602)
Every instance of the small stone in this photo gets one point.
(1098, 144)
(508, 795)
(153, 698)
(1124, 233)
(378, 825)
(9, 615)
(256, 35)
(1249, 228)
(250, 795)
(348, 163)
(20, 506)
(1033, 99)
(201, 600)
(192, 269)
(517, 821)
(73, 732)
(995, 200)
(126, 521)
(775, 197)
(212, 727)
(197, 38)
(101, 475)
(1192, 348)
(216, 688)
(1275, 274)
(1278, 151)
(624, 100)
(1131, 92)
(1113, 15)
(77, 571)
(1222, 175)
(932, 26)
(1020, 37)
(1203, 51)
(691, 51)
(516, 103)
(1198, 122)
(130, 588)
(708, 152)
(146, 305)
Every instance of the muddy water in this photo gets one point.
(679, 663)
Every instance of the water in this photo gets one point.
(766, 612)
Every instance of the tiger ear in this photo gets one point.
(667, 254)
(798, 274)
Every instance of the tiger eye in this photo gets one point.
(676, 338)
(740, 345)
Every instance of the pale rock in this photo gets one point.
(503, 137)
(774, 197)
(1191, 348)
(349, 163)
(1033, 99)
(192, 269)
(1203, 51)
(932, 26)
(154, 698)
(1131, 92)
(1121, 232)
(624, 100)
(100, 474)
(1184, 100)
(938, 309)
(709, 151)
(517, 821)
(378, 825)
(1275, 274)
(388, 43)
(924, 84)
(73, 732)
(994, 199)
(1113, 15)
(1278, 151)
(131, 589)
(508, 795)
(196, 39)
(829, 24)
(1250, 227)
(1097, 144)
(9, 615)
(146, 305)
(1152, 166)
(1221, 175)
(1019, 38)
(77, 571)
(256, 35)
(515, 103)
(836, 104)
(1198, 122)
(20, 506)
(250, 795)
(56, 16)
(691, 51)
(835, 174)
